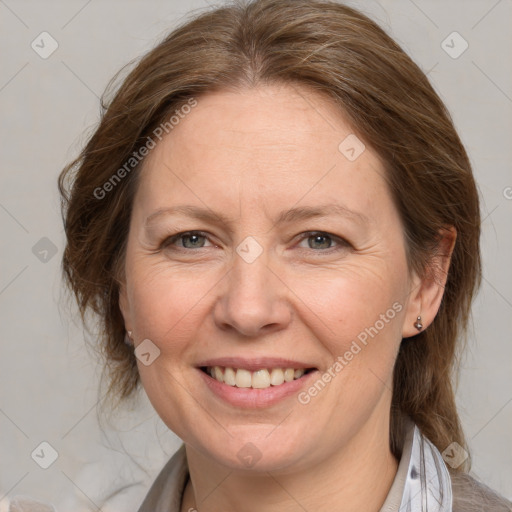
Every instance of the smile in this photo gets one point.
(259, 379)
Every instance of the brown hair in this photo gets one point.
(391, 105)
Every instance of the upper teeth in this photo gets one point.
(259, 379)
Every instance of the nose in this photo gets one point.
(253, 300)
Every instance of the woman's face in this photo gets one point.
(296, 260)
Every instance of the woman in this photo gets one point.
(278, 227)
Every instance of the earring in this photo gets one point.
(418, 324)
(128, 338)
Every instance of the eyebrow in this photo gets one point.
(288, 216)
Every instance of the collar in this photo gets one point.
(422, 482)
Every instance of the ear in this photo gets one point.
(427, 292)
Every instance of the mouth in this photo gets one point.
(262, 378)
(254, 383)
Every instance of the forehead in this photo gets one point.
(269, 121)
(277, 142)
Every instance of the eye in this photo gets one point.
(322, 240)
(187, 240)
(316, 240)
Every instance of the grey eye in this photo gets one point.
(319, 241)
(195, 240)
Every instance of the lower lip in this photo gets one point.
(251, 398)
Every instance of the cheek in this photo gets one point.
(349, 300)
(357, 316)
(166, 300)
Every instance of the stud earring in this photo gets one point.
(418, 324)
(128, 338)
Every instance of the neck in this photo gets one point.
(344, 477)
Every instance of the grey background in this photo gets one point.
(49, 380)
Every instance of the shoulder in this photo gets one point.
(470, 495)
(165, 494)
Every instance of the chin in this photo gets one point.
(253, 449)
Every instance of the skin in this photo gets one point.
(249, 155)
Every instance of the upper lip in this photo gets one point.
(253, 364)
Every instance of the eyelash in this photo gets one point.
(342, 243)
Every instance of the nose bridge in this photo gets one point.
(250, 265)
(253, 299)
